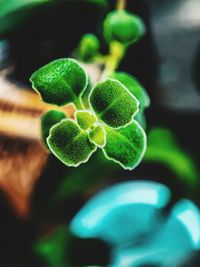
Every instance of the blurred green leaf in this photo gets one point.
(86, 177)
(123, 27)
(99, 2)
(60, 82)
(126, 146)
(69, 143)
(53, 248)
(50, 118)
(140, 117)
(8, 6)
(113, 103)
(163, 148)
(12, 11)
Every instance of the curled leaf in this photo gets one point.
(98, 136)
(69, 143)
(126, 146)
(113, 103)
(85, 119)
(123, 26)
(60, 82)
(50, 118)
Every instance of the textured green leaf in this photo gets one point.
(69, 143)
(163, 148)
(125, 146)
(113, 103)
(123, 26)
(60, 82)
(98, 136)
(85, 119)
(48, 120)
(134, 86)
(88, 47)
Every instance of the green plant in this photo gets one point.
(163, 148)
(106, 113)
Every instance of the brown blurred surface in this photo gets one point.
(22, 157)
(20, 110)
(21, 163)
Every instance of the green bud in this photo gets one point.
(89, 47)
(123, 27)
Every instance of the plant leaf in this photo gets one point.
(50, 118)
(52, 248)
(13, 12)
(140, 117)
(69, 143)
(98, 136)
(125, 146)
(163, 148)
(113, 103)
(134, 86)
(85, 119)
(123, 26)
(60, 82)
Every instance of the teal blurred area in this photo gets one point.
(130, 217)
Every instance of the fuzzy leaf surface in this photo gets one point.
(69, 143)
(60, 82)
(134, 86)
(125, 146)
(50, 118)
(113, 103)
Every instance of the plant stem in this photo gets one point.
(78, 103)
(121, 4)
(117, 52)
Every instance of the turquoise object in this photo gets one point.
(129, 216)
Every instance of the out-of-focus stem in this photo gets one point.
(121, 4)
(117, 52)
